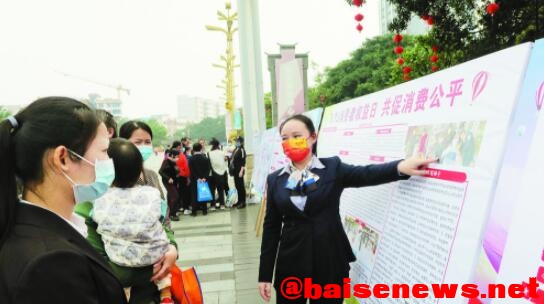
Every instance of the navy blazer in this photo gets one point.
(313, 243)
(45, 260)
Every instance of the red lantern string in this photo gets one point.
(359, 17)
(492, 8)
(397, 39)
(434, 58)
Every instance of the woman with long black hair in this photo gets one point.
(57, 148)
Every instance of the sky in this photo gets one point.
(158, 49)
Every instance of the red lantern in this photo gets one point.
(435, 48)
(425, 17)
(492, 8)
(406, 77)
(359, 17)
(400, 61)
(357, 2)
(430, 20)
(434, 68)
(397, 38)
(434, 58)
(399, 49)
(407, 70)
(359, 27)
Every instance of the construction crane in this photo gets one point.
(119, 88)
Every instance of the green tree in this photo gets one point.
(466, 25)
(4, 113)
(206, 128)
(160, 133)
(369, 69)
(268, 109)
(417, 56)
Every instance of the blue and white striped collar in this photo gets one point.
(314, 164)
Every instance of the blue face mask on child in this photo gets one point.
(146, 151)
(104, 176)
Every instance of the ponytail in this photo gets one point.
(24, 138)
(8, 184)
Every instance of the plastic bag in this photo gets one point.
(203, 192)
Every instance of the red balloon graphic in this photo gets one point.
(540, 96)
(479, 83)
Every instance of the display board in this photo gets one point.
(427, 229)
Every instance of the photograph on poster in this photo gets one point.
(453, 143)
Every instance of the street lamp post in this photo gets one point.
(227, 63)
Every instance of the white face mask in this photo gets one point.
(104, 175)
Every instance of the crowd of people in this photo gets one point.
(185, 165)
(82, 220)
(78, 209)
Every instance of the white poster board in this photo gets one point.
(426, 230)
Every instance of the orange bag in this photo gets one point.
(185, 286)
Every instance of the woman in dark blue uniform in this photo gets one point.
(304, 198)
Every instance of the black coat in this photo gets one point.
(238, 159)
(45, 260)
(168, 170)
(200, 167)
(313, 243)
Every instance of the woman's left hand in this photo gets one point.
(162, 268)
(415, 165)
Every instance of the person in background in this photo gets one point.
(238, 166)
(108, 119)
(141, 135)
(186, 142)
(169, 173)
(184, 180)
(302, 211)
(200, 168)
(188, 152)
(202, 142)
(219, 170)
(57, 147)
(129, 219)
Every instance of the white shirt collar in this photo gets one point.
(76, 221)
(314, 164)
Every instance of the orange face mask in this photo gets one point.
(296, 149)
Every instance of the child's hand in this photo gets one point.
(170, 181)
